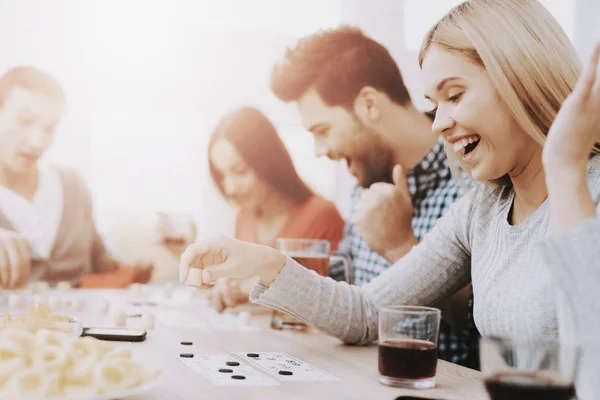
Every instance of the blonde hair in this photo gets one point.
(528, 57)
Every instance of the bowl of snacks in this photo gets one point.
(50, 364)
(40, 317)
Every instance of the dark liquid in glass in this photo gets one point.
(528, 386)
(407, 359)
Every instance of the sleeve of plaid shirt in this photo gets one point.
(336, 268)
(437, 267)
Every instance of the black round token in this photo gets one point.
(186, 355)
(240, 377)
(225, 370)
(285, 373)
(253, 355)
(187, 343)
(232, 363)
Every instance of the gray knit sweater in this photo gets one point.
(526, 285)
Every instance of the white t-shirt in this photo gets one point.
(37, 221)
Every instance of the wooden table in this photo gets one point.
(356, 366)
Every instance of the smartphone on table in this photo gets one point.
(116, 334)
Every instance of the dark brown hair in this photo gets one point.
(29, 78)
(338, 63)
(257, 141)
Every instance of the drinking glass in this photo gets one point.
(408, 338)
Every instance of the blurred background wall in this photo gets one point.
(146, 80)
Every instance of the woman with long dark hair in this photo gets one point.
(253, 171)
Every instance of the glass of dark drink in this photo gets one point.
(312, 254)
(408, 337)
(519, 370)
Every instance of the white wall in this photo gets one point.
(587, 26)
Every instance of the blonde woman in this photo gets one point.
(528, 237)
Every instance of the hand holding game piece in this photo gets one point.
(222, 257)
(194, 277)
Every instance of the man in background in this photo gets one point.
(47, 232)
(351, 97)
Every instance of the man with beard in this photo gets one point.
(351, 97)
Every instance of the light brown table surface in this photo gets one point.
(356, 366)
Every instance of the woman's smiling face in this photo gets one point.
(472, 118)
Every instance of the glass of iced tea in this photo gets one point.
(408, 338)
(312, 254)
(519, 370)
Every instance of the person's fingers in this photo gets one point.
(4, 268)
(380, 187)
(401, 183)
(360, 207)
(16, 264)
(24, 256)
(203, 253)
(399, 177)
(590, 73)
(228, 269)
(368, 196)
(596, 88)
(358, 215)
(194, 278)
(13, 264)
(365, 205)
(230, 294)
(189, 256)
(216, 300)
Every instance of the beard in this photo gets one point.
(375, 167)
(375, 162)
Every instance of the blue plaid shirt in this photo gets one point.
(432, 190)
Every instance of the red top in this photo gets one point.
(316, 218)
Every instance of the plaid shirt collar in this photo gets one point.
(428, 173)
